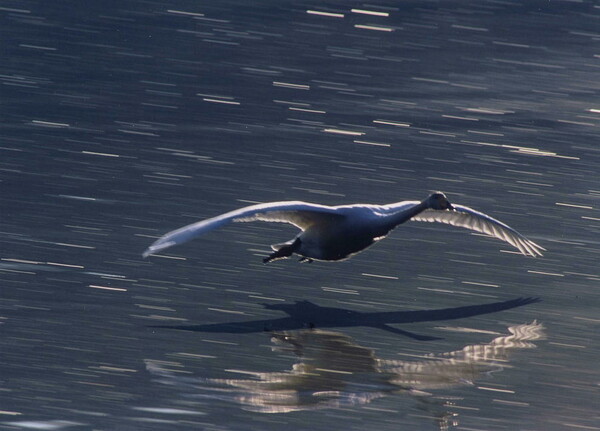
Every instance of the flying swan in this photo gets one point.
(336, 233)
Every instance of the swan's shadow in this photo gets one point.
(305, 314)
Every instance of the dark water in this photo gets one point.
(123, 120)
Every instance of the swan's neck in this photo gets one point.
(402, 216)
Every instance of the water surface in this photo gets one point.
(124, 120)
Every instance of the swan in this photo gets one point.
(336, 233)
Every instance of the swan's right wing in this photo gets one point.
(468, 218)
(300, 214)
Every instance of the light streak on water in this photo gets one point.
(326, 14)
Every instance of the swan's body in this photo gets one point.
(336, 233)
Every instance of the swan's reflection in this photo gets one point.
(461, 366)
(332, 370)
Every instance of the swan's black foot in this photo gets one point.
(274, 256)
(283, 252)
(305, 259)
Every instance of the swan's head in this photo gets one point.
(439, 201)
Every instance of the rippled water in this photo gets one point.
(124, 120)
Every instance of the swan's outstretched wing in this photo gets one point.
(469, 218)
(300, 214)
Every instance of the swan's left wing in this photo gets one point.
(470, 219)
(300, 214)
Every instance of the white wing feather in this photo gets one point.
(470, 219)
(300, 214)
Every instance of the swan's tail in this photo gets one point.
(277, 247)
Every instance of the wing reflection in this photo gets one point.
(332, 370)
(465, 365)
